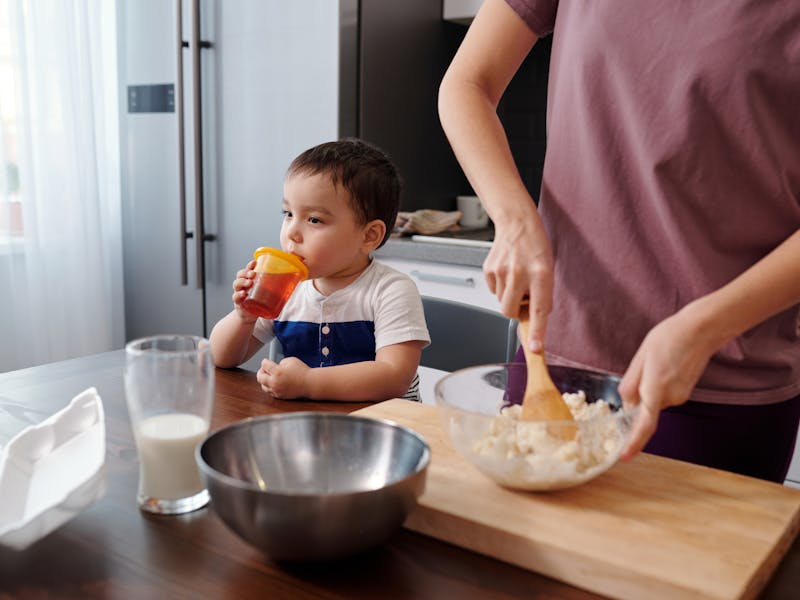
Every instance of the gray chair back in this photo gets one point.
(463, 335)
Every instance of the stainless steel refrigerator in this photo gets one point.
(221, 95)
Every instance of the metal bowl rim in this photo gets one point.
(422, 464)
(134, 347)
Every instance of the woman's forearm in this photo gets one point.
(480, 145)
(764, 290)
(494, 47)
(520, 263)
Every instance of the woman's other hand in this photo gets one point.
(663, 372)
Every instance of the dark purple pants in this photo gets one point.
(751, 440)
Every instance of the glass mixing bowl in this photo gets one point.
(479, 407)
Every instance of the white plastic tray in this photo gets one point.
(52, 471)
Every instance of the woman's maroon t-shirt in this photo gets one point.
(672, 165)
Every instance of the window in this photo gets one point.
(10, 198)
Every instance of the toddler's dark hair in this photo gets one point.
(364, 170)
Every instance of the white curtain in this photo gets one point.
(61, 276)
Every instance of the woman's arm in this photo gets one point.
(675, 352)
(520, 262)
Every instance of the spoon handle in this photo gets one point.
(542, 400)
(534, 360)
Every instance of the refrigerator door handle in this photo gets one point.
(199, 226)
(184, 235)
(199, 235)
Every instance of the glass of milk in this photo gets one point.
(169, 388)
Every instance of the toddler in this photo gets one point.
(360, 320)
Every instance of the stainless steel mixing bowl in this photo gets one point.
(313, 486)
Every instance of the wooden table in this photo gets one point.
(112, 550)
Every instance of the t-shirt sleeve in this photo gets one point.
(399, 316)
(263, 330)
(539, 15)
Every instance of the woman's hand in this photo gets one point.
(519, 266)
(663, 372)
(285, 380)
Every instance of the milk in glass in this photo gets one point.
(166, 452)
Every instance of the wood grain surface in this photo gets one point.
(649, 528)
(113, 550)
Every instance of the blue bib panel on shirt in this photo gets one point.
(345, 343)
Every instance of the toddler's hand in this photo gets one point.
(241, 286)
(285, 380)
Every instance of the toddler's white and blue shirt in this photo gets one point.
(380, 308)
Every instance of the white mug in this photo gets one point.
(473, 214)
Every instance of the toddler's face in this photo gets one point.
(319, 225)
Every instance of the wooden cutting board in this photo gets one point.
(650, 528)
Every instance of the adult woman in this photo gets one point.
(667, 241)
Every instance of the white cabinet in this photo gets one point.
(793, 476)
(451, 282)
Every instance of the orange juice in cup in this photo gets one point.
(277, 274)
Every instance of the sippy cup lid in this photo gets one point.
(295, 262)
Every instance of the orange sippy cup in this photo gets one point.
(277, 274)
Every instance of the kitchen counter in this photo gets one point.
(446, 253)
(113, 550)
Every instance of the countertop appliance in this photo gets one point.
(221, 96)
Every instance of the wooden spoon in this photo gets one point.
(542, 400)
